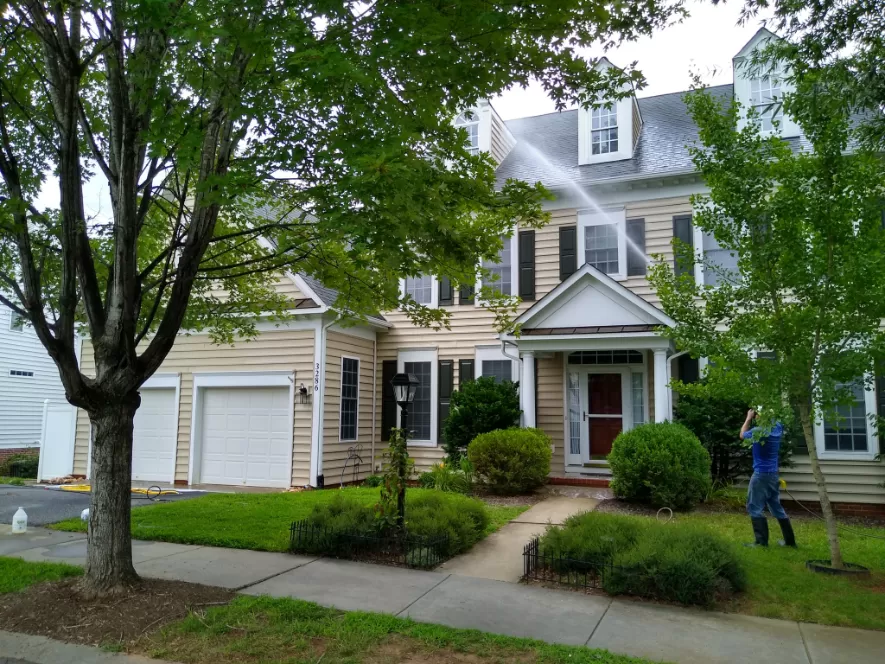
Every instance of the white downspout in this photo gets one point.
(669, 378)
(374, 395)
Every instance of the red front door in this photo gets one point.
(606, 412)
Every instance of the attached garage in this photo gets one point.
(154, 437)
(243, 434)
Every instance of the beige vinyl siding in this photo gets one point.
(658, 215)
(284, 350)
(551, 406)
(286, 285)
(847, 481)
(335, 451)
(637, 124)
(501, 141)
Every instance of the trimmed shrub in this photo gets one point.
(511, 461)
(21, 465)
(638, 556)
(663, 464)
(373, 481)
(716, 422)
(679, 563)
(428, 514)
(479, 406)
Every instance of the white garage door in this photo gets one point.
(153, 445)
(246, 436)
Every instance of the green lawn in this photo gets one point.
(781, 587)
(14, 481)
(18, 574)
(263, 629)
(247, 520)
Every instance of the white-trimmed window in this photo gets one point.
(604, 130)
(490, 361)
(469, 121)
(423, 289)
(719, 264)
(850, 433)
(350, 399)
(766, 98)
(423, 415)
(16, 322)
(504, 268)
(603, 239)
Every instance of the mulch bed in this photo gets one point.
(57, 610)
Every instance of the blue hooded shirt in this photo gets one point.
(767, 448)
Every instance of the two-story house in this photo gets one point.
(300, 403)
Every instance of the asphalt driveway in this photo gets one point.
(50, 505)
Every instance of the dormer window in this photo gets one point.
(470, 123)
(765, 97)
(604, 128)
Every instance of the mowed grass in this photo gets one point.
(258, 521)
(780, 586)
(16, 574)
(264, 629)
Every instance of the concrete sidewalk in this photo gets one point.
(658, 632)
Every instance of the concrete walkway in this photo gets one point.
(28, 649)
(499, 556)
(657, 632)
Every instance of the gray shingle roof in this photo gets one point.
(667, 129)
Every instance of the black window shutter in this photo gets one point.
(568, 247)
(446, 292)
(689, 369)
(527, 265)
(465, 371)
(682, 230)
(635, 252)
(388, 399)
(465, 296)
(446, 386)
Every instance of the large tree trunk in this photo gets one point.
(109, 551)
(825, 506)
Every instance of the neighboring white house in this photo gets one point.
(28, 377)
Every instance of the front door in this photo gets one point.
(605, 412)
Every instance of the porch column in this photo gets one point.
(527, 390)
(662, 399)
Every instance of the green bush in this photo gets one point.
(373, 481)
(446, 476)
(429, 514)
(511, 461)
(479, 406)
(21, 465)
(663, 464)
(677, 563)
(717, 422)
(638, 556)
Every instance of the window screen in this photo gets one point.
(418, 421)
(350, 379)
(500, 370)
(420, 288)
(720, 264)
(502, 269)
(601, 247)
(848, 431)
(470, 123)
(765, 96)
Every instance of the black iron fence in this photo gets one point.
(556, 568)
(391, 548)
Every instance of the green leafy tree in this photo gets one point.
(239, 139)
(806, 226)
(479, 406)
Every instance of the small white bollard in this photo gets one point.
(20, 522)
(84, 515)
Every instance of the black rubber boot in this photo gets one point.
(787, 530)
(760, 530)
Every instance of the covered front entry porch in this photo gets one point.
(593, 363)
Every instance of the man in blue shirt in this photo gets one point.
(765, 482)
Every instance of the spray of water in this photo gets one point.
(582, 195)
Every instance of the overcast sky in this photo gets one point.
(704, 42)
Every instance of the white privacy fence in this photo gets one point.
(57, 440)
